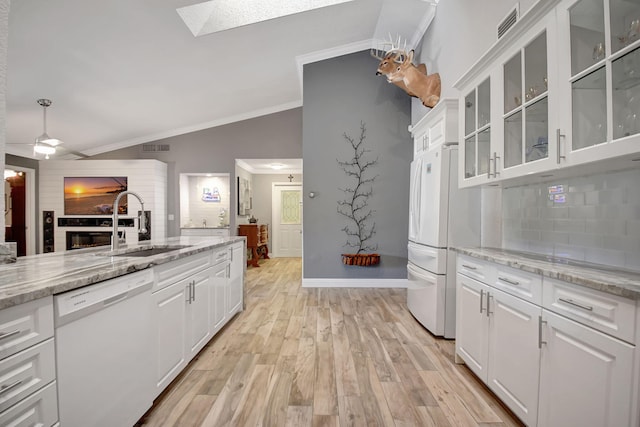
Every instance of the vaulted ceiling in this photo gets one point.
(123, 72)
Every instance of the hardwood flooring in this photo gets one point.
(324, 357)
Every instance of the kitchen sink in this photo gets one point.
(148, 251)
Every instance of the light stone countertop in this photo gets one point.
(604, 278)
(39, 276)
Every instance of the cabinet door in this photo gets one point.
(472, 325)
(600, 88)
(476, 153)
(218, 302)
(198, 311)
(171, 340)
(528, 117)
(585, 377)
(514, 361)
(236, 280)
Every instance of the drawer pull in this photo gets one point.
(540, 323)
(509, 281)
(470, 267)
(575, 304)
(481, 295)
(6, 388)
(9, 334)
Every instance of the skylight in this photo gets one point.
(219, 15)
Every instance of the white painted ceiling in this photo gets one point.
(122, 72)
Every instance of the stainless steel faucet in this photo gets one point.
(142, 225)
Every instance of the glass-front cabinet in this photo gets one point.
(560, 89)
(601, 79)
(477, 133)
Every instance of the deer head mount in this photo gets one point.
(397, 65)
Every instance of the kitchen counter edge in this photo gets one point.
(27, 280)
(599, 277)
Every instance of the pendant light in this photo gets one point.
(44, 143)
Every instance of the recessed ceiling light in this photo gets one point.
(219, 15)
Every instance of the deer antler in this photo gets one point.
(381, 53)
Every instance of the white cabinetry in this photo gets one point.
(204, 231)
(194, 298)
(181, 298)
(557, 354)
(236, 279)
(436, 128)
(560, 89)
(27, 364)
(497, 337)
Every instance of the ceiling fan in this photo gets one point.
(46, 145)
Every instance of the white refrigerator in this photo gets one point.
(440, 216)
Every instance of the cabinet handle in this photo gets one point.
(6, 388)
(495, 164)
(509, 281)
(575, 304)
(489, 296)
(189, 293)
(481, 295)
(558, 136)
(9, 334)
(540, 322)
(470, 267)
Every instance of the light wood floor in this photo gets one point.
(324, 357)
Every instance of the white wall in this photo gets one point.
(195, 210)
(458, 36)
(148, 178)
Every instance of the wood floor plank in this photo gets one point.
(299, 416)
(251, 405)
(356, 356)
(325, 393)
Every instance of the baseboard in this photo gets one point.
(354, 283)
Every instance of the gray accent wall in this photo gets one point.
(339, 93)
(274, 136)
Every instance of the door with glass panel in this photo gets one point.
(599, 79)
(526, 114)
(476, 154)
(286, 220)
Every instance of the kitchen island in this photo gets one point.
(38, 276)
(122, 324)
(555, 339)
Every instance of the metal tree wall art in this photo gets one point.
(355, 207)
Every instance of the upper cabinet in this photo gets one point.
(559, 89)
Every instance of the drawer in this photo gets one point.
(38, 409)
(174, 271)
(483, 271)
(522, 284)
(221, 255)
(25, 372)
(24, 325)
(428, 258)
(611, 314)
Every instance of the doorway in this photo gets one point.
(286, 219)
(19, 214)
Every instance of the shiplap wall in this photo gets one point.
(148, 178)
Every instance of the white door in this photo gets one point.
(514, 364)
(585, 376)
(472, 325)
(286, 219)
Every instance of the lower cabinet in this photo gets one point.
(191, 310)
(586, 376)
(548, 366)
(497, 337)
(236, 279)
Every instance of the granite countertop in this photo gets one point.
(604, 278)
(39, 276)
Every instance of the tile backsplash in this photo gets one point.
(593, 218)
